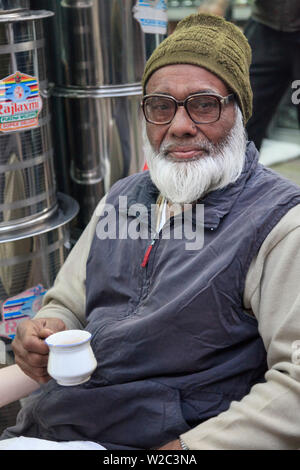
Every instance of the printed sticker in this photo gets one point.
(20, 102)
(16, 309)
(152, 15)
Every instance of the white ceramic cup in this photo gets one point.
(71, 359)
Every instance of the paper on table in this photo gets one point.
(31, 443)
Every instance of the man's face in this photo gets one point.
(188, 160)
(180, 81)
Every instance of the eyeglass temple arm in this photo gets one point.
(228, 98)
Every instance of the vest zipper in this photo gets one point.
(144, 265)
(158, 230)
(148, 251)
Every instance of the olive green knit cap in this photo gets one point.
(211, 42)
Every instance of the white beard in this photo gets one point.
(187, 182)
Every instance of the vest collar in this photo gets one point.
(217, 203)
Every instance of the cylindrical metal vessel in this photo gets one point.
(14, 4)
(34, 255)
(103, 127)
(104, 141)
(101, 43)
(27, 177)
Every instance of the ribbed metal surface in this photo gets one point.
(27, 178)
(34, 256)
(27, 185)
(31, 261)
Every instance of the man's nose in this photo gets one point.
(182, 124)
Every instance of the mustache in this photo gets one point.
(204, 145)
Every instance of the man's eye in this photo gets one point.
(160, 107)
(203, 105)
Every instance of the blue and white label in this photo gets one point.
(152, 15)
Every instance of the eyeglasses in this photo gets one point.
(202, 108)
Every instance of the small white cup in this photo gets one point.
(71, 359)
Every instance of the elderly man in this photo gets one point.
(196, 348)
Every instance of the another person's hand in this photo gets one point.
(31, 351)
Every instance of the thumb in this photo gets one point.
(48, 326)
(45, 332)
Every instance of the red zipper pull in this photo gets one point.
(147, 254)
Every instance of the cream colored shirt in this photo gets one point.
(269, 416)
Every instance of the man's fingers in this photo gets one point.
(37, 360)
(45, 332)
(30, 348)
(54, 324)
(32, 344)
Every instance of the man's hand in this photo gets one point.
(31, 351)
(173, 445)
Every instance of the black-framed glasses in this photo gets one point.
(202, 108)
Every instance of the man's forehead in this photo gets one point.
(185, 78)
(200, 90)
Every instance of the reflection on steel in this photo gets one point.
(35, 255)
(22, 16)
(101, 44)
(13, 4)
(27, 179)
(104, 142)
(103, 132)
(89, 194)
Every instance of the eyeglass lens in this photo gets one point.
(202, 109)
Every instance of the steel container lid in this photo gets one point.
(13, 5)
(67, 210)
(7, 16)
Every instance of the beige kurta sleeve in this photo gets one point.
(66, 299)
(269, 416)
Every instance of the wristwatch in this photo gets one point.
(183, 444)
